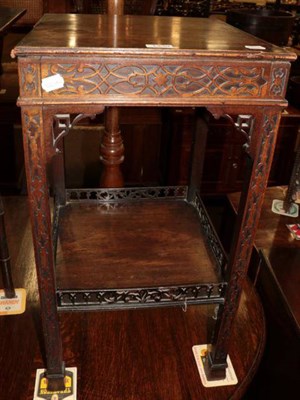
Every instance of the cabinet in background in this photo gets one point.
(224, 158)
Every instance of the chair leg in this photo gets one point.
(5, 258)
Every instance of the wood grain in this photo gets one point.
(209, 35)
(132, 245)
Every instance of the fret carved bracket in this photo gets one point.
(61, 127)
(243, 124)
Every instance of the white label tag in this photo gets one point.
(200, 352)
(16, 305)
(278, 208)
(53, 82)
(159, 46)
(255, 47)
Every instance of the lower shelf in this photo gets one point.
(142, 248)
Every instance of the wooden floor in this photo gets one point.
(120, 355)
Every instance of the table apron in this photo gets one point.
(120, 81)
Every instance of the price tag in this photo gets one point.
(159, 46)
(53, 82)
(278, 208)
(200, 352)
(13, 306)
(255, 47)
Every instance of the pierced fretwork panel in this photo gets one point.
(62, 124)
(244, 124)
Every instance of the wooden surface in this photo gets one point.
(121, 354)
(141, 244)
(207, 35)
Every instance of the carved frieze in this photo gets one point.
(279, 77)
(158, 80)
(30, 85)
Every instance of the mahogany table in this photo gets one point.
(142, 247)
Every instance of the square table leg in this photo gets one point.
(260, 148)
(38, 195)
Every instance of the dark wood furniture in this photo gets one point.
(119, 346)
(224, 158)
(34, 10)
(112, 148)
(8, 16)
(151, 240)
(183, 8)
(275, 269)
(112, 142)
(145, 7)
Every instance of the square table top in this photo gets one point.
(130, 34)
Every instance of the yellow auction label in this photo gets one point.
(66, 394)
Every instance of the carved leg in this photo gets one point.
(264, 135)
(38, 196)
(5, 259)
(112, 151)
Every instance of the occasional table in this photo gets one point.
(141, 247)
